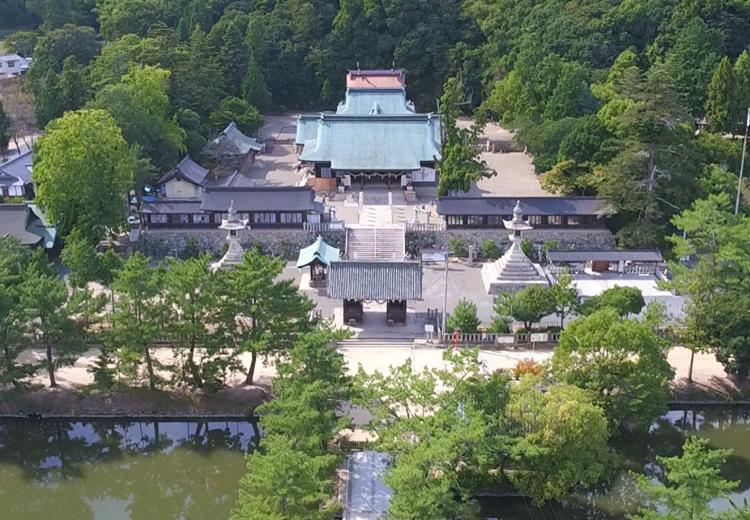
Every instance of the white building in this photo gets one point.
(13, 65)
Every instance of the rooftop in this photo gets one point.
(376, 79)
(26, 222)
(231, 141)
(18, 167)
(187, 170)
(367, 496)
(631, 255)
(260, 198)
(529, 206)
(318, 251)
(368, 281)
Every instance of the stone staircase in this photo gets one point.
(385, 243)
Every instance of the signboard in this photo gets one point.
(539, 337)
(430, 257)
(429, 328)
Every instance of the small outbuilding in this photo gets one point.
(318, 256)
(394, 283)
(27, 224)
(615, 261)
(232, 150)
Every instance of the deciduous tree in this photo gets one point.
(83, 172)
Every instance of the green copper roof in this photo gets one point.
(372, 102)
(373, 143)
(319, 251)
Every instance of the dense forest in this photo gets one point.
(606, 94)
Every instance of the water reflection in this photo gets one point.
(105, 469)
(725, 427)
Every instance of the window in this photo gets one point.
(574, 220)
(158, 219)
(475, 220)
(217, 217)
(535, 220)
(291, 218)
(455, 220)
(495, 220)
(264, 218)
(179, 218)
(201, 218)
(554, 220)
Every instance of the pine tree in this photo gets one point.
(721, 98)
(742, 87)
(4, 129)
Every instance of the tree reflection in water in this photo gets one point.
(115, 469)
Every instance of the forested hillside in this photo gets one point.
(605, 93)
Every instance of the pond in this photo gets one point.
(188, 469)
(725, 427)
(114, 469)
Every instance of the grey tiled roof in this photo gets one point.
(605, 256)
(375, 281)
(18, 167)
(188, 170)
(26, 223)
(232, 141)
(264, 198)
(529, 205)
(171, 206)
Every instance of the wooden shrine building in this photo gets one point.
(318, 256)
(394, 283)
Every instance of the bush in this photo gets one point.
(490, 251)
(500, 325)
(527, 246)
(192, 249)
(464, 317)
(458, 247)
(527, 366)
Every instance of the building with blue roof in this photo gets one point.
(375, 133)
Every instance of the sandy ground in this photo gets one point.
(708, 374)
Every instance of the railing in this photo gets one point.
(491, 338)
(323, 226)
(419, 226)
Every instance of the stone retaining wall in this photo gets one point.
(278, 242)
(593, 239)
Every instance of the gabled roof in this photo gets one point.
(26, 222)
(171, 206)
(375, 102)
(370, 281)
(235, 180)
(18, 167)
(367, 495)
(261, 198)
(319, 251)
(376, 79)
(372, 143)
(232, 142)
(187, 170)
(529, 205)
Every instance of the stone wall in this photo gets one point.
(278, 242)
(592, 239)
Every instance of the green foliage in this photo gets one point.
(529, 305)
(271, 313)
(232, 109)
(254, 87)
(490, 250)
(623, 300)
(564, 441)
(140, 105)
(285, 483)
(527, 246)
(621, 362)
(692, 481)
(464, 317)
(138, 320)
(458, 247)
(720, 109)
(715, 285)
(459, 165)
(120, 17)
(565, 296)
(197, 82)
(47, 316)
(80, 257)
(83, 172)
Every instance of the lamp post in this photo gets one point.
(742, 164)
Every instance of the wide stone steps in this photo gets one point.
(377, 243)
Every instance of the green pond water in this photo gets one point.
(113, 469)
